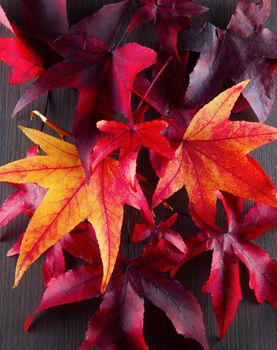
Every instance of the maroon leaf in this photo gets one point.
(240, 52)
(104, 24)
(27, 197)
(26, 53)
(82, 243)
(54, 264)
(167, 102)
(169, 17)
(45, 16)
(119, 322)
(166, 248)
(178, 303)
(143, 231)
(102, 73)
(78, 284)
(228, 248)
(197, 37)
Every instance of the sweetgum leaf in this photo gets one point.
(228, 249)
(81, 283)
(25, 62)
(119, 322)
(214, 156)
(26, 52)
(25, 200)
(70, 199)
(54, 264)
(19, 55)
(46, 17)
(167, 102)
(143, 231)
(169, 17)
(82, 243)
(130, 139)
(240, 52)
(102, 73)
(177, 302)
(166, 247)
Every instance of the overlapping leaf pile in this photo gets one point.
(131, 97)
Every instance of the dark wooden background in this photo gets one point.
(254, 327)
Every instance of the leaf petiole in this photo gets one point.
(62, 132)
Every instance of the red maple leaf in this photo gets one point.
(240, 52)
(231, 246)
(169, 16)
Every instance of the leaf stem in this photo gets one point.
(62, 132)
(153, 82)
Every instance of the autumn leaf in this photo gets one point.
(229, 248)
(45, 17)
(70, 200)
(102, 73)
(75, 194)
(150, 229)
(119, 322)
(54, 264)
(239, 52)
(200, 35)
(167, 102)
(26, 52)
(25, 200)
(166, 247)
(82, 243)
(81, 283)
(169, 17)
(130, 139)
(213, 156)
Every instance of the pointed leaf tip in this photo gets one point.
(245, 83)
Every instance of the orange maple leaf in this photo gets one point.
(213, 156)
(70, 199)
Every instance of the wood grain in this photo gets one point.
(254, 327)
